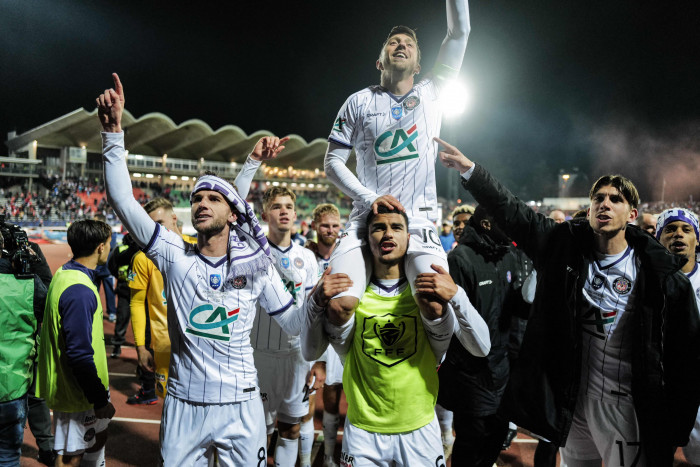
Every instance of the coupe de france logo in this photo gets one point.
(396, 145)
(389, 339)
(215, 281)
(211, 323)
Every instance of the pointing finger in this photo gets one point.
(118, 85)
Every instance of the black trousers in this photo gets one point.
(123, 314)
(478, 440)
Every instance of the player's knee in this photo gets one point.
(341, 309)
(288, 430)
(429, 306)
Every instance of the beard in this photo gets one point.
(327, 240)
(216, 226)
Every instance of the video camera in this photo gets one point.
(16, 248)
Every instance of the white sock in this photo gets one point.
(330, 432)
(306, 442)
(286, 452)
(444, 418)
(94, 459)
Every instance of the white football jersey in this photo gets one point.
(694, 278)
(298, 269)
(210, 320)
(394, 147)
(606, 372)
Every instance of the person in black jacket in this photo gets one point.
(607, 294)
(485, 267)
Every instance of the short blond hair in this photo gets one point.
(275, 191)
(323, 209)
(463, 209)
(156, 203)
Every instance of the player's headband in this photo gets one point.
(677, 214)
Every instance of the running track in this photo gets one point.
(133, 432)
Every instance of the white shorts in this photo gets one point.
(424, 249)
(190, 433)
(691, 451)
(334, 368)
(603, 431)
(282, 380)
(421, 447)
(75, 431)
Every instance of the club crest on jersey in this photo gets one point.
(622, 285)
(397, 111)
(396, 145)
(389, 339)
(597, 281)
(239, 282)
(411, 103)
(299, 263)
(215, 281)
(284, 262)
(211, 323)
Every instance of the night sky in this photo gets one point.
(602, 86)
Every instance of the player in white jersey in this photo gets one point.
(609, 367)
(213, 403)
(677, 229)
(326, 223)
(283, 372)
(391, 127)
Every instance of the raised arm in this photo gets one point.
(451, 54)
(266, 149)
(110, 107)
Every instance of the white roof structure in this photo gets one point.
(155, 134)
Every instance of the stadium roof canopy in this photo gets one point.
(155, 134)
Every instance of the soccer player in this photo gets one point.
(610, 363)
(213, 403)
(326, 223)
(391, 127)
(678, 231)
(72, 374)
(647, 222)
(391, 349)
(282, 371)
(149, 304)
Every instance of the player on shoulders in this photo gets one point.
(213, 403)
(391, 127)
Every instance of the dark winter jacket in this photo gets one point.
(487, 272)
(541, 395)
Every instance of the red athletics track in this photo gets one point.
(133, 433)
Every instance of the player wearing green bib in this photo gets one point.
(391, 349)
(72, 374)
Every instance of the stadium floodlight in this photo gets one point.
(455, 98)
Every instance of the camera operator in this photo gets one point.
(21, 310)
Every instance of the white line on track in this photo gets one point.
(136, 420)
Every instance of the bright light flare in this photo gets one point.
(455, 98)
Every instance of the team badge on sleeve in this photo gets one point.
(215, 281)
(622, 285)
